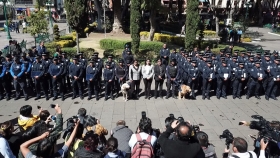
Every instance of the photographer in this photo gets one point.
(45, 146)
(123, 134)
(240, 147)
(26, 118)
(208, 149)
(6, 147)
(183, 147)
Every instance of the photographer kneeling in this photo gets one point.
(183, 147)
(240, 147)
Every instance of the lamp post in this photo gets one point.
(104, 14)
(48, 4)
(5, 13)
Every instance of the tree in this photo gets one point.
(192, 21)
(152, 6)
(77, 16)
(56, 32)
(135, 21)
(117, 25)
(37, 23)
(98, 7)
(39, 4)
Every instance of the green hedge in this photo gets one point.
(108, 44)
(72, 51)
(67, 37)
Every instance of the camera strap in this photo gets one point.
(251, 155)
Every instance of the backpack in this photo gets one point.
(142, 148)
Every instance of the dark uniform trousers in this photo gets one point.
(57, 81)
(147, 84)
(206, 86)
(276, 86)
(40, 86)
(269, 86)
(237, 87)
(77, 83)
(170, 84)
(192, 84)
(20, 83)
(222, 87)
(49, 82)
(158, 85)
(272, 88)
(92, 87)
(254, 85)
(109, 88)
(29, 81)
(67, 82)
(7, 80)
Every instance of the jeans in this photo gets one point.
(158, 84)
(147, 84)
(135, 87)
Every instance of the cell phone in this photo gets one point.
(52, 105)
(143, 115)
(171, 116)
(38, 107)
(240, 123)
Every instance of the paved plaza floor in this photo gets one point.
(213, 115)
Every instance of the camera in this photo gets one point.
(70, 125)
(228, 136)
(144, 115)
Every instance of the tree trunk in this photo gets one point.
(180, 11)
(217, 25)
(98, 8)
(77, 41)
(125, 9)
(260, 22)
(152, 24)
(117, 26)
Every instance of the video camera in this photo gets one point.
(228, 136)
(70, 125)
(268, 132)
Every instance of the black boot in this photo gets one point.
(203, 97)
(112, 96)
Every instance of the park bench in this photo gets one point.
(42, 37)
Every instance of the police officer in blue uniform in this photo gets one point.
(99, 65)
(242, 57)
(257, 75)
(83, 61)
(66, 63)
(223, 78)
(47, 77)
(55, 71)
(174, 54)
(111, 61)
(2, 73)
(172, 73)
(37, 73)
(17, 71)
(121, 75)
(7, 78)
(274, 83)
(240, 75)
(164, 55)
(91, 76)
(76, 73)
(128, 58)
(193, 72)
(27, 64)
(266, 65)
(109, 75)
(208, 75)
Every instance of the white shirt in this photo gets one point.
(5, 149)
(148, 71)
(133, 139)
(24, 24)
(247, 155)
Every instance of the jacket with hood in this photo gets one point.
(26, 122)
(81, 152)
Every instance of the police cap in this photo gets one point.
(248, 51)
(121, 61)
(37, 56)
(55, 58)
(63, 53)
(173, 60)
(110, 56)
(8, 56)
(91, 61)
(277, 59)
(224, 62)
(267, 55)
(194, 61)
(95, 53)
(236, 51)
(44, 54)
(222, 50)
(23, 54)
(234, 57)
(16, 58)
(182, 49)
(241, 63)
(33, 47)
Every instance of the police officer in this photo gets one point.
(224, 74)
(17, 71)
(55, 71)
(121, 75)
(257, 75)
(208, 75)
(164, 55)
(91, 76)
(111, 61)
(172, 73)
(240, 75)
(273, 84)
(76, 73)
(66, 62)
(242, 57)
(47, 77)
(27, 66)
(2, 73)
(109, 76)
(128, 58)
(193, 72)
(126, 47)
(83, 62)
(7, 78)
(174, 54)
(266, 65)
(99, 65)
(37, 73)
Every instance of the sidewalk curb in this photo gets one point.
(274, 34)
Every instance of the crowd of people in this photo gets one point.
(230, 72)
(84, 137)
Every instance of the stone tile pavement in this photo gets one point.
(213, 115)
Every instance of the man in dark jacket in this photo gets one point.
(164, 55)
(159, 70)
(183, 147)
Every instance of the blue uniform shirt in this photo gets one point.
(91, 72)
(2, 70)
(17, 69)
(76, 70)
(27, 64)
(55, 70)
(37, 69)
(108, 74)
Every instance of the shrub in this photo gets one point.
(209, 33)
(71, 52)
(66, 43)
(107, 44)
(66, 37)
(246, 39)
(51, 45)
(56, 32)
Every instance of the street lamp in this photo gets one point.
(49, 4)
(247, 5)
(5, 12)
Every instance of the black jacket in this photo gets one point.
(158, 72)
(178, 148)
(81, 152)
